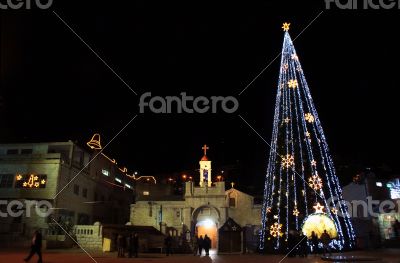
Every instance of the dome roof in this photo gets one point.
(204, 158)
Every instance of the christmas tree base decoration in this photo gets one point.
(302, 193)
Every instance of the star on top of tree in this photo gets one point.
(285, 26)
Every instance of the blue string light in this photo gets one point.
(299, 152)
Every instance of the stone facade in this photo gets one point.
(199, 205)
(78, 192)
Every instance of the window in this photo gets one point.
(105, 172)
(6, 180)
(12, 151)
(232, 202)
(84, 192)
(76, 189)
(146, 193)
(26, 151)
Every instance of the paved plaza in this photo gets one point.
(78, 256)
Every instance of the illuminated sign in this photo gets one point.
(30, 181)
(394, 188)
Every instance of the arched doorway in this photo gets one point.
(209, 228)
(205, 220)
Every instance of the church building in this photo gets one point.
(205, 207)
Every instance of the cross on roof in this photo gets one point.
(205, 148)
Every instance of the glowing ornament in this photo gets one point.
(287, 161)
(292, 83)
(275, 216)
(19, 177)
(286, 26)
(295, 57)
(286, 120)
(318, 208)
(269, 210)
(334, 210)
(317, 223)
(313, 163)
(285, 67)
(315, 182)
(275, 230)
(309, 117)
(296, 212)
(43, 181)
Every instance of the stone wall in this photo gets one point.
(89, 237)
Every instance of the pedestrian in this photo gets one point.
(201, 243)
(292, 241)
(120, 246)
(326, 239)
(396, 228)
(36, 246)
(195, 245)
(315, 243)
(135, 245)
(303, 245)
(168, 245)
(207, 244)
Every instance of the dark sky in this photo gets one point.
(54, 88)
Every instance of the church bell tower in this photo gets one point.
(205, 169)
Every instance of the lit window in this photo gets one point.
(118, 180)
(394, 188)
(379, 184)
(105, 172)
(146, 193)
(128, 185)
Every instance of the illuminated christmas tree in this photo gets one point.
(302, 191)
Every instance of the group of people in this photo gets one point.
(298, 241)
(130, 243)
(200, 243)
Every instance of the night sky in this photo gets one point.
(54, 88)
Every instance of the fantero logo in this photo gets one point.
(363, 4)
(187, 104)
(25, 4)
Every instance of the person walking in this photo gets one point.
(303, 248)
(120, 246)
(326, 239)
(195, 245)
(135, 245)
(168, 245)
(314, 242)
(201, 244)
(36, 247)
(207, 244)
(292, 241)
